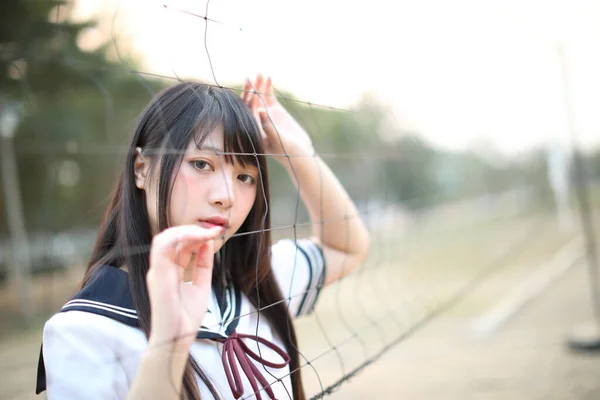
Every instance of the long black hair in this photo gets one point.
(184, 112)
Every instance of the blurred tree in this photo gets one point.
(71, 133)
(409, 167)
(592, 161)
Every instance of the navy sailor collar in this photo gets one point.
(108, 294)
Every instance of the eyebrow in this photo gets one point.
(220, 151)
(211, 148)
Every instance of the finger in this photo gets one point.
(186, 253)
(253, 99)
(186, 273)
(195, 233)
(250, 92)
(182, 255)
(259, 122)
(257, 101)
(186, 250)
(203, 266)
(267, 126)
(247, 89)
(165, 242)
(270, 98)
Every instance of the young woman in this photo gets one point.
(184, 296)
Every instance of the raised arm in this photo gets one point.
(336, 225)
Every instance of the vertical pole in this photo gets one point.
(20, 262)
(582, 192)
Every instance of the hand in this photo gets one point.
(178, 307)
(281, 133)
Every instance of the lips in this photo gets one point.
(214, 221)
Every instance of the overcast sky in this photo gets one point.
(458, 72)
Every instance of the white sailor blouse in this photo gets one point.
(93, 347)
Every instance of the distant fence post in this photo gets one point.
(20, 268)
(590, 340)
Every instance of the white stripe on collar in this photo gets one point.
(104, 307)
(92, 302)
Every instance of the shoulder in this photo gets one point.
(79, 320)
(79, 339)
(302, 249)
(80, 328)
(83, 357)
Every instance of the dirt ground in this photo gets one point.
(525, 358)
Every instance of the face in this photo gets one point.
(207, 190)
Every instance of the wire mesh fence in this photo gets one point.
(445, 228)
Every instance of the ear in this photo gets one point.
(141, 165)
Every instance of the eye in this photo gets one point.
(200, 165)
(246, 178)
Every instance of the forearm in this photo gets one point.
(160, 374)
(336, 225)
(335, 219)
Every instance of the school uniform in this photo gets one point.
(93, 347)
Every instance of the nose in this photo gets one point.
(222, 193)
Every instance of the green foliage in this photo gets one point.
(77, 111)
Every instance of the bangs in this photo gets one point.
(242, 141)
